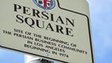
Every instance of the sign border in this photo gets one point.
(57, 59)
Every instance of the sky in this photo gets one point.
(8, 56)
(101, 19)
(101, 22)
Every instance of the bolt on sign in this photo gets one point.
(58, 30)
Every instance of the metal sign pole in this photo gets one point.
(31, 59)
(35, 59)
